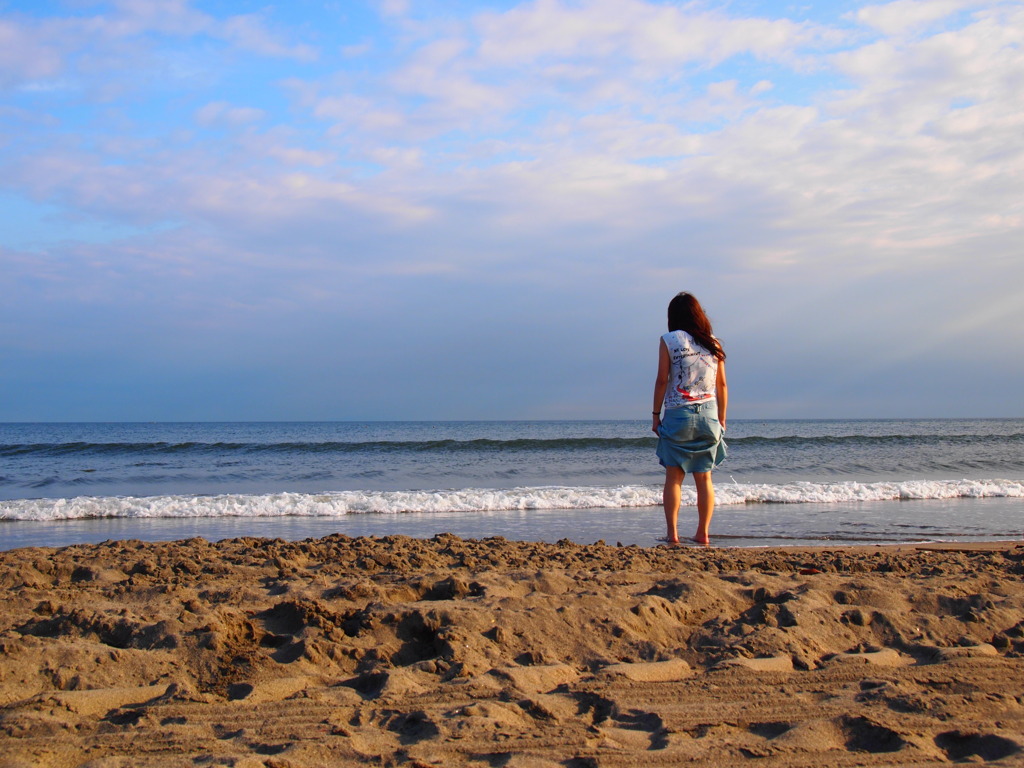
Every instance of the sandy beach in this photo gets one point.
(401, 651)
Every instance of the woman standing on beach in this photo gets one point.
(691, 387)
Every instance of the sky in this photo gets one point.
(419, 209)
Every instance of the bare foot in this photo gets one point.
(703, 542)
(668, 540)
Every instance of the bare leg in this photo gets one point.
(672, 495)
(705, 506)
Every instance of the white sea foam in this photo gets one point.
(905, 490)
(485, 500)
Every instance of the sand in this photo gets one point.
(447, 652)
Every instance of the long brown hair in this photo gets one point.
(686, 314)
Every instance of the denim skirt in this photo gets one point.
(690, 437)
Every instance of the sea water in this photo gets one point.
(785, 482)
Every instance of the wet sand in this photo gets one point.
(443, 651)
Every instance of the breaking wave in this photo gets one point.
(488, 500)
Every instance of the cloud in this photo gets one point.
(137, 17)
(250, 33)
(639, 31)
(902, 16)
(222, 112)
(25, 55)
(299, 156)
(35, 50)
(394, 7)
(585, 55)
(436, 72)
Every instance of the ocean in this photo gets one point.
(784, 483)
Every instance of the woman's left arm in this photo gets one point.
(660, 385)
(721, 392)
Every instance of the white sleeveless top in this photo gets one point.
(694, 371)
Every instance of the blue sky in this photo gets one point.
(395, 209)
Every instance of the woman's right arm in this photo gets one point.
(660, 385)
(721, 392)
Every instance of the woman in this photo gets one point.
(691, 387)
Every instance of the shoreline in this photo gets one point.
(753, 525)
(457, 652)
(994, 545)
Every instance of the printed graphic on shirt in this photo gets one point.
(694, 370)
